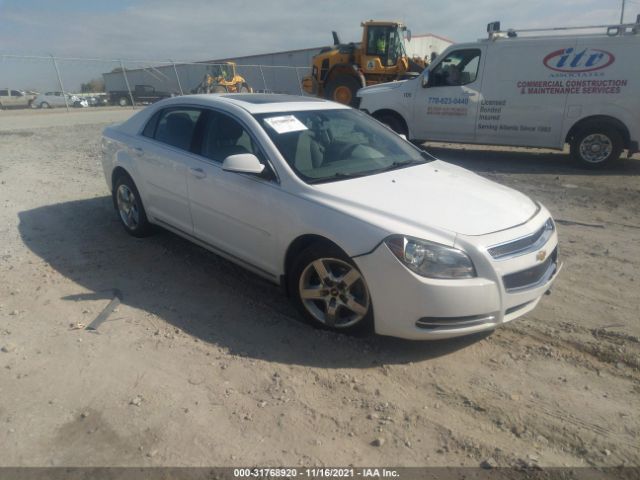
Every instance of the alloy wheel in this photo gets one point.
(128, 207)
(334, 292)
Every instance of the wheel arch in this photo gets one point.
(119, 171)
(595, 119)
(296, 247)
(388, 111)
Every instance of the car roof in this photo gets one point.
(265, 102)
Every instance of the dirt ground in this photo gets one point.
(206, 364)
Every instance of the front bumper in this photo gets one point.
(409, 306)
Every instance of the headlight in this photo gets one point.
(430, 259)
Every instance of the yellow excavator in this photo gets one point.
(339, 71)
(222, 78)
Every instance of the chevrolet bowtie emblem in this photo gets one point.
(541, 255)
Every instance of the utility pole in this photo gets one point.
(622, 13)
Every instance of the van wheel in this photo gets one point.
(329, 290)
(596, 146)
(124, 101)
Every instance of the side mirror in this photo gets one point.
(425, 79)
(243, 163)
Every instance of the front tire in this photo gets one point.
(393, 122)
(44, 105)
(343, 89)
(329, 290)
(128, 205)
(596, 146)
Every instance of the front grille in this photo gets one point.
(523, 245)
(532, 277)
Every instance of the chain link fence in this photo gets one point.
(49, 81)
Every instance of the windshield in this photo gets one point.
(385, 42)
(330, 145)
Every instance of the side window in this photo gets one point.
(150, 128)
(176, 126)
(16, 93)
(224, 136)
(456, 69)
(4, 93)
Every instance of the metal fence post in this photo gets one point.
(126, 81)
(177, 77)
(263, 80)
(299, 83)
(64, 94)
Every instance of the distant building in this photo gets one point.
(427, 46)
(280, 72)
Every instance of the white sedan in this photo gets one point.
(359, 226)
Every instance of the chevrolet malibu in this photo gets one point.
(360, 227)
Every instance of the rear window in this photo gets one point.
(176, 126)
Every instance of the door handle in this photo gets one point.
(197, 172)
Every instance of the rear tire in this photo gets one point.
(329, 290)
(597, 145)
(44, 105)
(342, 89)
(124, 101)
(128, 205)
(219, 89)
(244, 88)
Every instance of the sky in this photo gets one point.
(193, 30)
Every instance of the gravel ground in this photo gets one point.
(206, 364)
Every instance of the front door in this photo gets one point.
(446, 103)
(232, 211)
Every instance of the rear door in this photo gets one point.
(446, 105)
(17, 98)
(164, 155)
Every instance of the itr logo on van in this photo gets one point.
(575, 61)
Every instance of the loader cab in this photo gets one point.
(383, 47)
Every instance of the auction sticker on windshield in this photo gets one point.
(285, 124)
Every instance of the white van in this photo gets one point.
(526, 91)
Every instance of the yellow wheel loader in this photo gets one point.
(222, 78)
(339, 71)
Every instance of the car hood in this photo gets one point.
(381, 87)
(435, 195)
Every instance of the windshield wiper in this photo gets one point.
(340, 176)
(395, 165)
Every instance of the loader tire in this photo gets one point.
(342, 89)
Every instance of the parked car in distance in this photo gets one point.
(10, 98)
(527, 91)
(98, 100)
(51, 100)
(140, 93)
(359, 226)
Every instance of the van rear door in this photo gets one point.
(446, 103)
